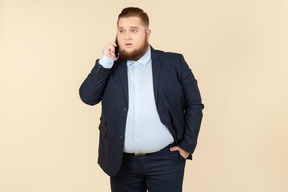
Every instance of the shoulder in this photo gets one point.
(169, 55)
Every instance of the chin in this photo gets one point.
(129, 50)
(132, 53)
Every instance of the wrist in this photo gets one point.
(106, 62)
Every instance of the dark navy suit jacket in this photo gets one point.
(177, 99)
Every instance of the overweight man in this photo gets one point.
(151, 109)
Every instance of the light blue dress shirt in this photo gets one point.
(145, 133)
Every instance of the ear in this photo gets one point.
(148, 32)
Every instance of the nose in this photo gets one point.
(127, 36)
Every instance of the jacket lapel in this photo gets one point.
(156, 68)
(123, 76)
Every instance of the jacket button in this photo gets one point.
(121, 137)
(125, 109)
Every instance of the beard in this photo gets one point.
(136, 53)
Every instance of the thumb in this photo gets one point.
(174, 148)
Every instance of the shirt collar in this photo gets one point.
(143, 60)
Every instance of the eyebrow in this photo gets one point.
(131, 27)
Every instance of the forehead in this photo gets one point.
(127, 22)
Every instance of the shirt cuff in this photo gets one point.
(106, 62)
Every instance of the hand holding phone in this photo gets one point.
(111, 51)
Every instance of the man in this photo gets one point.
(151, 110)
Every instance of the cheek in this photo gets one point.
(120, 42)
(120, 37)
(140, 40)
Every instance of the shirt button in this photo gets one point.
(121, 137)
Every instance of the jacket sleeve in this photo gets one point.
(93, 87)
(192, 110)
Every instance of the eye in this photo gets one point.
(121, 31)
(134, 30)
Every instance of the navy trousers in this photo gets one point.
(162, 171)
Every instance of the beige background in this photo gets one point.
(237, 49)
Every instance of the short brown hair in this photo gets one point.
(135, 12)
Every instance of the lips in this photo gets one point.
(128, 44)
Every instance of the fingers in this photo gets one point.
(109, 51)
(109, 48)
(114, 44)
(174, 148)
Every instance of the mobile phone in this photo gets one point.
(116, 48)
